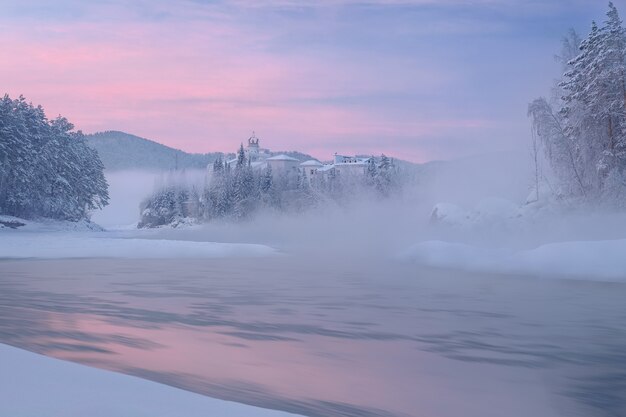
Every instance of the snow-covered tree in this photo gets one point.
(236, 189)
(171, 203)
(46, 168)
(584, 139)
(371, 174)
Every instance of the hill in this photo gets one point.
(120, 151)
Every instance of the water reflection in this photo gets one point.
(322, 340)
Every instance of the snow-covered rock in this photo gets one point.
(32, 385)
(48, 225)
(486, 212)
(10, 222)
(449, 215)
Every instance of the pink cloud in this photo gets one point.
(203, 86)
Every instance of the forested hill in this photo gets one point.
(120, 151)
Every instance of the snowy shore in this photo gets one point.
(49, 246)
(33, 385)
(58, 239)
(587, 260)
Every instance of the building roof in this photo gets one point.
(325, 168)
(282, 157)
(357, 163)
(311, 163)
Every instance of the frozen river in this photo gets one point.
(331, 339)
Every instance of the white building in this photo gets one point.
(260, 158)
(282, 163)
(309, 168)
(254, 152)
(350, 165)
(346, 166)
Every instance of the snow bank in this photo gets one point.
(589, 260)
(59, 245)
(32, 385)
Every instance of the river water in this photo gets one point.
(329, 338)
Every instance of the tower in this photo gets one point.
(253, 147)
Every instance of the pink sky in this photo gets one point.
(202, 76)
(199, 93)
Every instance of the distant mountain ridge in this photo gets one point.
(123, 151)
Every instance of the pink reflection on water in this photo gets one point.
(385, 375)
(301, 334)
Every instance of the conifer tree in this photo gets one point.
(585, 140)
(46, 169)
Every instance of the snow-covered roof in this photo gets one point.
(324, 168)
(358, 162)
(311, 163)
(282, 157)
(342, 159)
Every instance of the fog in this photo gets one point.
(369, 227)
(127, 189)
(337, 320)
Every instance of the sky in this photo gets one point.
(416, 79)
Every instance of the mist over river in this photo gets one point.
(331, 338)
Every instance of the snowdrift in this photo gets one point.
(59, 245)
(587, 260)
(32, 385)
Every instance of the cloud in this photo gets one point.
(335, 75)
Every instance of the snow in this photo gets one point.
(497, 207)
(32, 385)
(10, 222)
(46, 225)
(587, 260)
(486, 211)
(449, 214)
(326, 167)
(51, 239)
(282, 157)
(311, 163)
(107, 245)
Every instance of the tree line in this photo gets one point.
(581, 128)
(237, 191)
(46, 168)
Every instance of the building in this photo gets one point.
(309, 168)
(260, 158)
(346, 166)
(350, 165)
(254, 152)
(282, 163)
